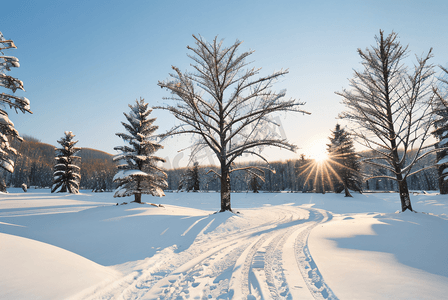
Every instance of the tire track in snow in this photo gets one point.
(271, 280)
(311, 274)
(246, 264)
(274, 269)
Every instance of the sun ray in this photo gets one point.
(319, 172)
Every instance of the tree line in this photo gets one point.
(392, 109)
(289, 176)
(34, 167)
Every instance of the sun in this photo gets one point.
(318, 150)
(320, 156)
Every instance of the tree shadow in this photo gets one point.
(417, 240)
(111, 235)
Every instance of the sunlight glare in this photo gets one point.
(320, 156)
(318, 150)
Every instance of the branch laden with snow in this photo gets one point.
(440, 110)
(138, 171)
(7, 130)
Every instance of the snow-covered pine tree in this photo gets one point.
(344, 161)
(138, 172)
(7, 130)
(190, 179)
(441, 131)
(66, 169)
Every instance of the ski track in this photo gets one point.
(261, 262)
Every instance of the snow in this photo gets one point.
(122, 174)
(390, 252)
(443, 161)
(7, 164)
(443, 142)
(5, 121)
(64, 273)
(279, 246)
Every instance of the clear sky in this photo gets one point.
(83, 62)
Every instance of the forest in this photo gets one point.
(292, 176)
(34, 167)
(392, 110)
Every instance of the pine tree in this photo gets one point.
(440, 110)
(344, 162)
(254, 185)
(66, 169)
(7, 130)
(138, 172)
(190, 179)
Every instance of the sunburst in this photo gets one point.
(319, 171)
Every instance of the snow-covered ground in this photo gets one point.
(279, 246)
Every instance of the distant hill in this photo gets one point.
(36, 150)
(88, 154)
(34, 166)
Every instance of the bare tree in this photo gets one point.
(392, 108)
(225, 107)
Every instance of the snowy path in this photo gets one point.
(265, 258)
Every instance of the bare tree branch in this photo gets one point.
(224, 106)
(392, 108)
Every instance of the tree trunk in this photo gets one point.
(225, 189)
(138, 195)
(138, 198)
(443, 184)
(347, 192)
(404, 195)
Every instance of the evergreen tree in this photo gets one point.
(190, 179)
(344, 162)
(254, 185)
(7, 130)
(138, 172)
(66, 169)
(441, 132)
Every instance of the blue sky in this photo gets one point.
(83, 62)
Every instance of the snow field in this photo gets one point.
(279, 246)
(35, 270)
(383, 256)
